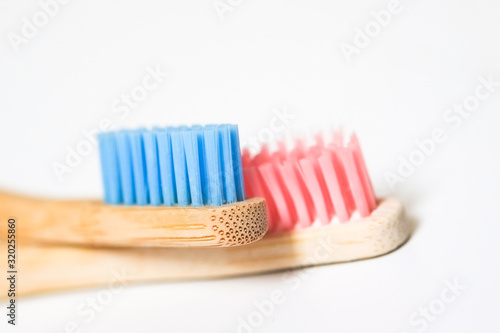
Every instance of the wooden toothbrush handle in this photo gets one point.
(45, 268)
(97, 223)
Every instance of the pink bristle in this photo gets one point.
(294, 158)
(282, 181)
(333, 185)
(297, 194)
(259, 189)
(248, 180)
(358, 194)
(246, 157)
(246, 161)
(361, 166)
(322, 183)
(314, 186)
(284, 213)
(288, 211)
(313, 154)
(343, 181)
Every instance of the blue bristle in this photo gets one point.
(166, 167)
(109, 164)
(172, 166)
(180, 168)
(214, 169)
(227, 164)
(139, 167)
(152, 168)
(237, 167)
(125, 161)
(193, 167)
(203, 162)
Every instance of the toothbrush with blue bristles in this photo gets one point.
(165, 187)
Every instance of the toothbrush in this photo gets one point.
(46, 268)
(307, 227)
(178, 186)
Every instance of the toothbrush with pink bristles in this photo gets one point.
(321, 184)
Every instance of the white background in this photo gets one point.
(263, 56)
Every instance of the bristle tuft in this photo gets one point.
(325, 182)
(172, 166)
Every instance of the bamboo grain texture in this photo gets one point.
(99, 224)
(52, 268)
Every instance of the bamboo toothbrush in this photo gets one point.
(44, 268)
(165, 187)
(322, 210)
